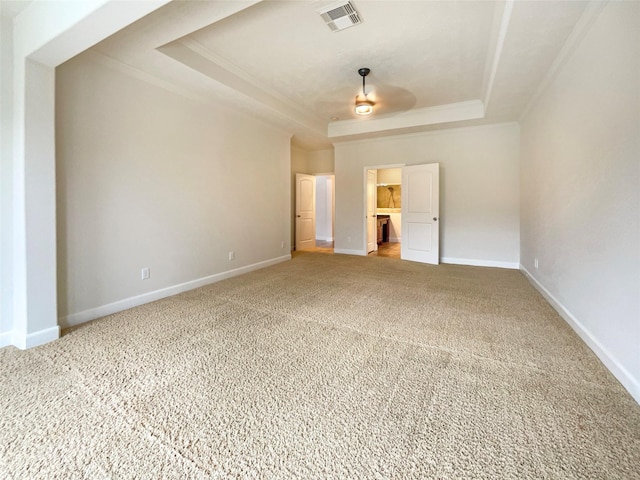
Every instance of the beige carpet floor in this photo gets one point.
(324, 367)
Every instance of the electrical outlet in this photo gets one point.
(145, 273)
(282, 244)
(232, 255)
(535, 262)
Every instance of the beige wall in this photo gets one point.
(312, 162)
(581, 190)
(479, 189)
(147, 178)
(321, 161)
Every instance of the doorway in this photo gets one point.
(384, 216)
(406, 212)
(315, 212)
(325, 211)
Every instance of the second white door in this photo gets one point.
(421, 213)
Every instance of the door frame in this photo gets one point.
(375, 208)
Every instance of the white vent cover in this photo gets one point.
(339, 16)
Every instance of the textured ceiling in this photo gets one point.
(433, 64)
(434, 51)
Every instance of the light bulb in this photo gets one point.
(364, 107)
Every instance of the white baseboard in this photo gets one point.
(480, 263)
(626, 378)
(6, 339)
(29, 340)
(120, 305)
(325, 239)
(345, 251)
(395, 239)
(40, 337)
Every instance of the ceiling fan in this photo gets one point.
(374, 98)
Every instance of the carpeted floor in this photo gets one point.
(324, 367)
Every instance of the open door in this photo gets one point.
(372, 221)
(305, 211)
(420, 213)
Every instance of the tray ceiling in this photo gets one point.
(433, 64)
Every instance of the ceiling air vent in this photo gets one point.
(339, 16)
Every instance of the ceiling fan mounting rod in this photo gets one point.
(363, 73)
(363, 106)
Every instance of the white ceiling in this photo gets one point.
(433, 64)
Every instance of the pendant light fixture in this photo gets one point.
(364, 106)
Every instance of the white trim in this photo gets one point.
(325, 239)
(365, 225)
(6, 339)
(120, 305)
(497, 56)
(41, 337)
(480, 263)
(197, 56)
(29, 340)
(626, 378)
(394, 239)
(429, 133)
(345, 251)
(417, 117)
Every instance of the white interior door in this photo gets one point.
(305, 211)
(372, 221)
(421, 213)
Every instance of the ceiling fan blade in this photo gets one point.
(387, 98)
(391, 99)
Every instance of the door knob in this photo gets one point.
(435, 219)
(299, 216)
